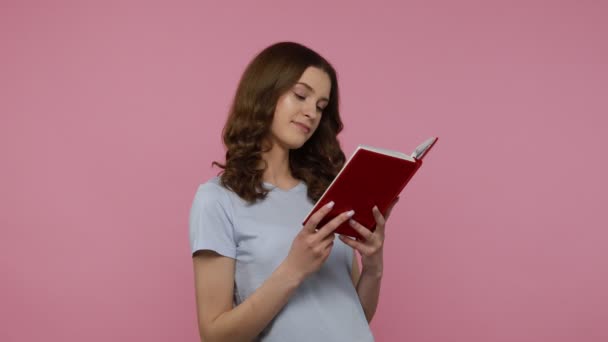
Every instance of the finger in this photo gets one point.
(359, 246)
(313, 221)
(328, 241)
(380, 221)
(334, 223)
(362, 230)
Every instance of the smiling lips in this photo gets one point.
(302, 126)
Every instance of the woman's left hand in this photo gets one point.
(371, 247)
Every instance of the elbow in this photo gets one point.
(206, 337)
(205, 333)
(368, 316)
(208, 333)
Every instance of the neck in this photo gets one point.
(277, 170)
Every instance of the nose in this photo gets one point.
(310, 110)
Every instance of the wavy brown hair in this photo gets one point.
(270, 74)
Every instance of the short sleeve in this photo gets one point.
(211, 225)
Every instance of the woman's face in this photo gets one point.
(298, 111)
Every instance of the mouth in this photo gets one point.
(302, 127)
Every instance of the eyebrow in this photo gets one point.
(310, 88)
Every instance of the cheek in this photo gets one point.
(284, 109)
(291, 105)
(282, 117)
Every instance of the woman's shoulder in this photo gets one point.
(212, 188)
(213, 191)
(212, 199)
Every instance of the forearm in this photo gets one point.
(368, 289)
(245, 321)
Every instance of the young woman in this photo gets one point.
(259, 274)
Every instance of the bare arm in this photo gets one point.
(368, 288)
(371, 249)
(217, 319)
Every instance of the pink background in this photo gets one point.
(111, 114)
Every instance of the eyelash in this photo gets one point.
(302, 98)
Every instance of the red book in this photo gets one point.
(371, 176)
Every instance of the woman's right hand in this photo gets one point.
(310, 248)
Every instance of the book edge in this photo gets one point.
(387, 152)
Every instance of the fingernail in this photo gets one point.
(350, 213)
(375, 207)
(330, 204)
(351, 222)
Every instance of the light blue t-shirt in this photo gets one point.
(325, 307)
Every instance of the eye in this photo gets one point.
(302, 98)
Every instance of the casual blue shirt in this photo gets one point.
(325, 307)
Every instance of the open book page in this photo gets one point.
(392, 153)
(418, 153)
(423, 148)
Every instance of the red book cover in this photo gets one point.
(371, 176)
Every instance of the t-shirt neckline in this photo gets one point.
(294, 188)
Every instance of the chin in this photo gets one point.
(292, 141)
(296, 144)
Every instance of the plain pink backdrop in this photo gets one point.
(111, 113)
